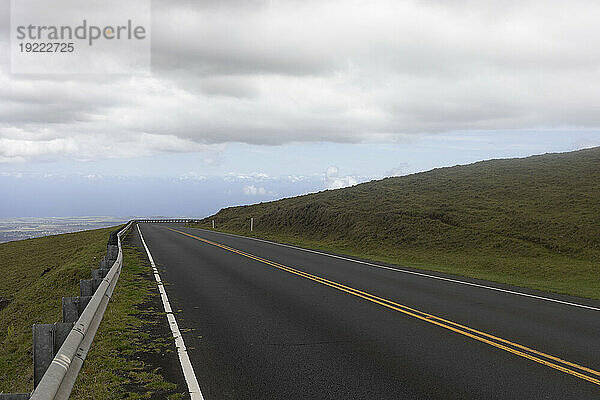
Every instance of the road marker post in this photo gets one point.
(251, 224)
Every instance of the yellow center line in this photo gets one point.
(432, 319)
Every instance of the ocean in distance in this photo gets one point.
(31, 227)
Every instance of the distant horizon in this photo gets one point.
(190, 188)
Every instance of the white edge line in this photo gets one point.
(186, 365)
(413, 272)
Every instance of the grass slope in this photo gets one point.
(532, 222)
(36, 273)
(124, 361)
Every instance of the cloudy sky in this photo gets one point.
(252, 100)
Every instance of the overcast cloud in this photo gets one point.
(275, 72)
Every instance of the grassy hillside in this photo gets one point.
(133, 340)
(36, 273)
(533, 222)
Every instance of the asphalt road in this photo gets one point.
(263, 321)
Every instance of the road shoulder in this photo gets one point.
(133, 355)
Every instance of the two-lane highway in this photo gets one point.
(266, 321)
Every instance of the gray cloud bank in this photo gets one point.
(274, 72)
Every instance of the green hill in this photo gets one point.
(533, 221)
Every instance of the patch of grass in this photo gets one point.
(36, 274)
(531, 222)
(114, 368)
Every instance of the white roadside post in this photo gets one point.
(251, 224)
(213, 221)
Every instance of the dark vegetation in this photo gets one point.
(533, 222)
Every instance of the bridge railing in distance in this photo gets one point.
(171, 220)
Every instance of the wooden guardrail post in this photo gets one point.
(47, 339)
(72, 307)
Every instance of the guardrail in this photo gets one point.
(60, 349)
(58, 380)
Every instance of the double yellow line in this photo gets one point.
(568, 367)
